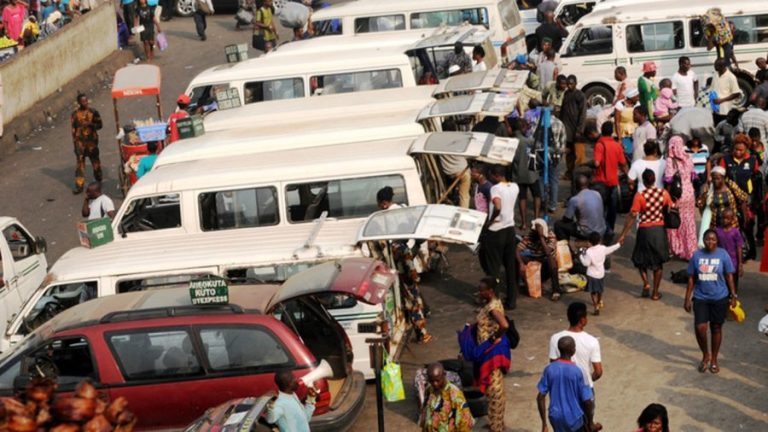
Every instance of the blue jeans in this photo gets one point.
(554, 184)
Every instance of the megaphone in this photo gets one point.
(322, 371)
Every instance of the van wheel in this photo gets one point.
(185, 8)
(598, 95)
(746, 88)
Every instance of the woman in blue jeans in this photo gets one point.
(710, 291)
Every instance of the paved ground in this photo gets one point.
(649, 352)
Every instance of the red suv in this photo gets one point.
(173, 360)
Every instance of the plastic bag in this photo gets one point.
(392, 381)
(706, 220)
(293, 15)
(533, 278)
(736, 313)
(563, 256)
(162, 42)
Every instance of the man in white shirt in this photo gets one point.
(587, 356)
(97, 205)
(500, 239)
(726, 87)
(644, 132)
(685, 83)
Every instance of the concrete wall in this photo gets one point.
(40, 70)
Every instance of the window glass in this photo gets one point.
(510, 15)
(152, 213)
(750, 29)
(327, 27)
(158, 282)
(206, 95)
(244, 208)
(356, 81)
(591, 40)
(475, 16)
(68, 360)
(261, 91)
(155, 354)
(663, 36)
(380, 24)
(56, 299)
(572, 13)
(233, 348)
(340, 198)
(10, 373)
(21, 244)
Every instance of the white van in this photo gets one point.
(371, 16)
(271, 256)
(22, 266)
(632, 34)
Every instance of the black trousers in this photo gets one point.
(565, 229)
(500, 251)
(169, 8)
(129, 13)
(200, 24)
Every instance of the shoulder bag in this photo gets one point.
(672, 218)
(675, 187)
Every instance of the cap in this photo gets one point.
(183, 99)
(630, 93)
(649, 67)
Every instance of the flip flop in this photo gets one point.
(703, 366)
(715, 369)
(656, 297)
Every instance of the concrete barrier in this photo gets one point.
(42, 69)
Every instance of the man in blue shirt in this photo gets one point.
(570, 406)
(584, 213)
(287, 411)
(710, 284)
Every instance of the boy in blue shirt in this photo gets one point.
(147, 162)
(570, 407)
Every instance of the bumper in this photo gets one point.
(342, 418)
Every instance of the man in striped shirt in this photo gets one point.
(755, 117)
(699, 155)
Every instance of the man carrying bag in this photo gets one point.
(202, 9)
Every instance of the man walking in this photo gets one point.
(286, 410)
(85, 123)
(573, 114)
(571, 408)
(685, 83)
(96, 205)
(500, 238)
(726, 89)
(202, 8)
(587, 355)
(609, 158)
(445, 407)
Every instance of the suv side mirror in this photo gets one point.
(41, 246)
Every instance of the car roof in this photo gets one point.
(6, 220)
(365, 8)
(248, 298)
(399, 40)
(608, 14)
(230, 248)
(278, 166)
(268, 66)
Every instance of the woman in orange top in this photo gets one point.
(651, 249)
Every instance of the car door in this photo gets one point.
(24, 268)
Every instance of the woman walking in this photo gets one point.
(651, 251)
(710, 292)
(682, 241)
(491, 326)
(722, 195)
(145, 16)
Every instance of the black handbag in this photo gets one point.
(672, 218)
(512, 335)
(675, 188)
(258, 42)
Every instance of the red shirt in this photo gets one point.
(172, 125)
(610, 155)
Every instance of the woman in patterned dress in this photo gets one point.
(722, 195)
(492, 325)
(682, 241)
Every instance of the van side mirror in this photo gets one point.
(41, 246)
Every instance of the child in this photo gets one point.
(699, 155)
(762, 69)
(664, 107)
(729, 238)
(620, 75)
(594, 259)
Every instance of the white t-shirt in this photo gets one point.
(594, 259)
(507, 192)
(683, 84)
(479, 67)
(100, 207)
(640, 165)
(587, 351)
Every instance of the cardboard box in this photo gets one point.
(190, 127)
(94, 233)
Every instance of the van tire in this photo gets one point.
(747, 87)
(598, 94)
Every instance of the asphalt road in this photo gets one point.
(649, 351)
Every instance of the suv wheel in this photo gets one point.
(185, 8)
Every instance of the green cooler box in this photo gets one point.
(94, 233)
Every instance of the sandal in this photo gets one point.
(715, 369)
(703, 366)
(656, 297)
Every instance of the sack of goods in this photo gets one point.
(293, 15)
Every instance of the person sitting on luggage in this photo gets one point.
(583, 214)
(540, 245)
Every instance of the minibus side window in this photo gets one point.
(346, 198)
(572, 13)
(590, 41)
(261, 91)
(433, 19)
(510, 16)
(382, 23)
(327, 27)
(750, 29)
(661, 36)
(244, 208)
(356, 81)
(152, 213)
